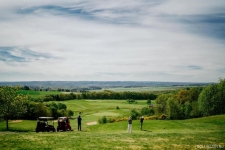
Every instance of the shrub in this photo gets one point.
(121, 119)
(111, 120)
(147, 111)
(151, 118)
(134, 114)
(163, 117)
(149, 102)
(102, 120)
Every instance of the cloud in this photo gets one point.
(124, 40)
(14, 54)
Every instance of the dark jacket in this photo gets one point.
(129, 121)
(79, 120)
(141, 120)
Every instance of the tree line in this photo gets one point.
(193, 102)
(103, 95)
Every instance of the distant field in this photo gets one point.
(199, 133)
(144, 89)
(37, 94)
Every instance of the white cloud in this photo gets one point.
(126, 40)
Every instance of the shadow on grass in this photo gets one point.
(15, 130)
(146, 130)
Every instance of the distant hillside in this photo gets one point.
(99, 84)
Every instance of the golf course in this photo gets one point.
(197, 133)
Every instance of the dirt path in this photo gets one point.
(17, 121)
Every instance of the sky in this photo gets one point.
(107, 40)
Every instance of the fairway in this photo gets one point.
(92, 110)
(156, 134)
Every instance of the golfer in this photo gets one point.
(79, 119)
(129, 130)
(141, 122)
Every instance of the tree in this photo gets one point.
(173, 109)
(211, 100)
(12, 104)
(26, 88)
(207, 100)
(161, 102)
(147, 111)
(221, 96)
(41, 110)
(62, 106)
(148, 101)
(134, 114)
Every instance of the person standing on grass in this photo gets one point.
(129, 130)
(141, 122)
(79, 119)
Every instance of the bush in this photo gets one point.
(163, 117)
(147, 111)
(117, 107)
(151, 118)
(134, 114)
(102, 120)
(111, 120)
(149, 102)
(121, 119)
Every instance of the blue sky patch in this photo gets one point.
(15, 54)
(194, 67)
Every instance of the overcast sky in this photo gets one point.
(108, 40)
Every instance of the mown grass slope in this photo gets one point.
(157, 134)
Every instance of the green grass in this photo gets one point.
(95, 109)
(37, 94)
(156, 134)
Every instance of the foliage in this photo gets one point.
(106, 94)
(147, 111)
(161, 102)
(111, 120)
(12, 104)
(195, 112)
(173, 109)
(151, 118)
(102, 120)
(211, 100)
(163, 117)
(148, 102)
(134, 114)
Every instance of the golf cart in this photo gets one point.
(63, 124)
(43, 124)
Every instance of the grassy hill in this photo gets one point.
(156, 134)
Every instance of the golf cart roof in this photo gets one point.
(45, 118)
(62, 117)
